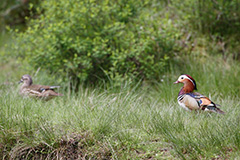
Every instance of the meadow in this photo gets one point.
(134, 121)
(116, 62)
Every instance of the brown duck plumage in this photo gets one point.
(38, 91)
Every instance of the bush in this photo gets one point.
(92, 40)
(13, 13)
(209, 24)
(221, 17)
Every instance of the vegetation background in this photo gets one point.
(116, 62)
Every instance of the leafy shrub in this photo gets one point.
(221, 17)
(13, 13)
(91, 40)
(209, 24)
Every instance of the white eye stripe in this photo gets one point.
(190, 80)
(184, 76)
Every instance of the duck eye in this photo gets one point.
(181, 77)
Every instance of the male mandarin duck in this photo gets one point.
(190, 100)
(38, 91)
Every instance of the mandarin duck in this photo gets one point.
(190, 100)
(38, 91)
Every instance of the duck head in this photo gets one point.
(26, 80)
(188, 81)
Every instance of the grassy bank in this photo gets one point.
(131, 122)
(151, 40)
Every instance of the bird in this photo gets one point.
(190, 100)
(38, 91)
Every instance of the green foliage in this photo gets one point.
(89, 40)
(122, 40)
(119, 40)
(220, 17)
(216, 23)
(14, 12)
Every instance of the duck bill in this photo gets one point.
(176, 82)
(21, 81)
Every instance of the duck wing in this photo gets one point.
(42, 88)
(205, 103)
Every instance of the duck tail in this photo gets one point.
(53, 87)
(215, 109)
(219, 111)
(59, 94)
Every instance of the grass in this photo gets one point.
(135, 121)
(132, 122)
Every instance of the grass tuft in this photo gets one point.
(141, 121)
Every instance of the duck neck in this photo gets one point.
(187, 88)
(25, 84)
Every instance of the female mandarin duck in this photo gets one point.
(190, 100)
(38, 91)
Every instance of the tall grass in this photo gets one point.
(130, 122)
